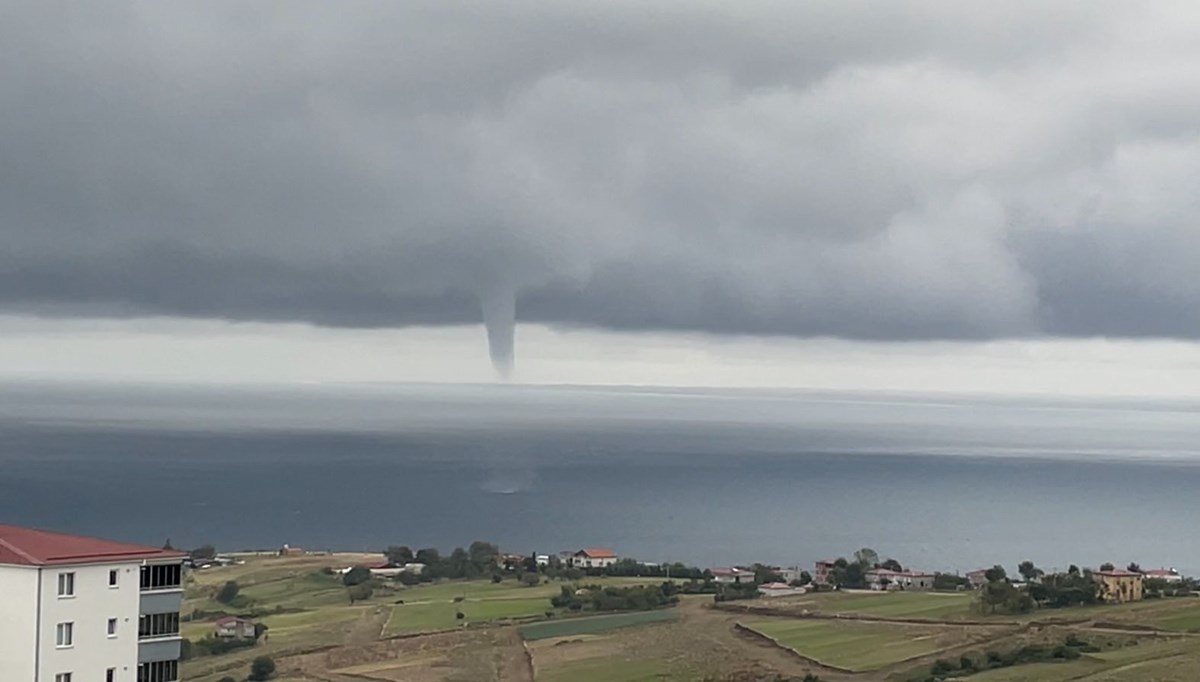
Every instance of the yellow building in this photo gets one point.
(1119, 586)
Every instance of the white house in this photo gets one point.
(78, 609)
(779, 590)
(732, 576)
(594, 557)
(1168, 574)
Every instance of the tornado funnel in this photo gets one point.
(500, 320)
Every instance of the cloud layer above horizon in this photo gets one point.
(919, 170)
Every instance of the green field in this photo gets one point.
(440, 615)
(854, 646)
(592, 625)
(926, 605)
(1168, 660)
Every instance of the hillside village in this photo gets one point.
(757, 621)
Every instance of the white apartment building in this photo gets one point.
(76, 609)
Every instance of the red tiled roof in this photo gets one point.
(598, 553)
(30, 547)
(232, 619)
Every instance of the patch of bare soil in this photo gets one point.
(470, 655)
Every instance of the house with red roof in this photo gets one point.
(593, 557)
(76, 608)
(1119, 585)
(235, 627)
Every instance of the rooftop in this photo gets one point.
(32, 547)
(1119, 573)
(598, 553)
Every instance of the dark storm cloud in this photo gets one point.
(886, 171)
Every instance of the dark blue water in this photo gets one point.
(946, 483)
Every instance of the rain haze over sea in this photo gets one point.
(710, 477)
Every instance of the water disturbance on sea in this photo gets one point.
(710, 477)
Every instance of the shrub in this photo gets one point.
(261, 669)
(228, 592)
(356, 576)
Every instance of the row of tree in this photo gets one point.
(635, 598)
(853, 573)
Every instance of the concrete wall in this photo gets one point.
(18, 622)
(94, 602)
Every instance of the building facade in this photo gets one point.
(594, 557)
(884, 579)
(1119, 586)
(822, 570)
(78, 609)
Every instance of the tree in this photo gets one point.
(360, 592)
(1028, 571)
(805, 578)
(766, 574)
(260, 629)
(203, 553)
(167, 545)
(228, 592)
(408, 579)
(398, 555)
(227, 678)
(1133, 567)
(1107, 566)
(262, 668)
(1072, 570)
(996, 574)
(892, 565)
(867, 557)
(428, 556)
(483, 554)
(530, 580)
(356, 576)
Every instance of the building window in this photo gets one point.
(162, 576)
(158, 625)
(158, 671)
(112, 627)
(112, 578)
(62, 677)
(65, 635)
(66, 584)
(111, 675)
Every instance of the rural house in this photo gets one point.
(594, 557)
(821, 571)
(1119, 585)
(732, 576)
(779, 590)
(235, 627)
(884, 579)
(977, 579)
(1168, 574)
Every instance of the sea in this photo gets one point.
(704, 476)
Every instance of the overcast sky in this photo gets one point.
(739, 193)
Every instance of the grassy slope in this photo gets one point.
(854, 646)
(1169, 661)
(593, 624)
